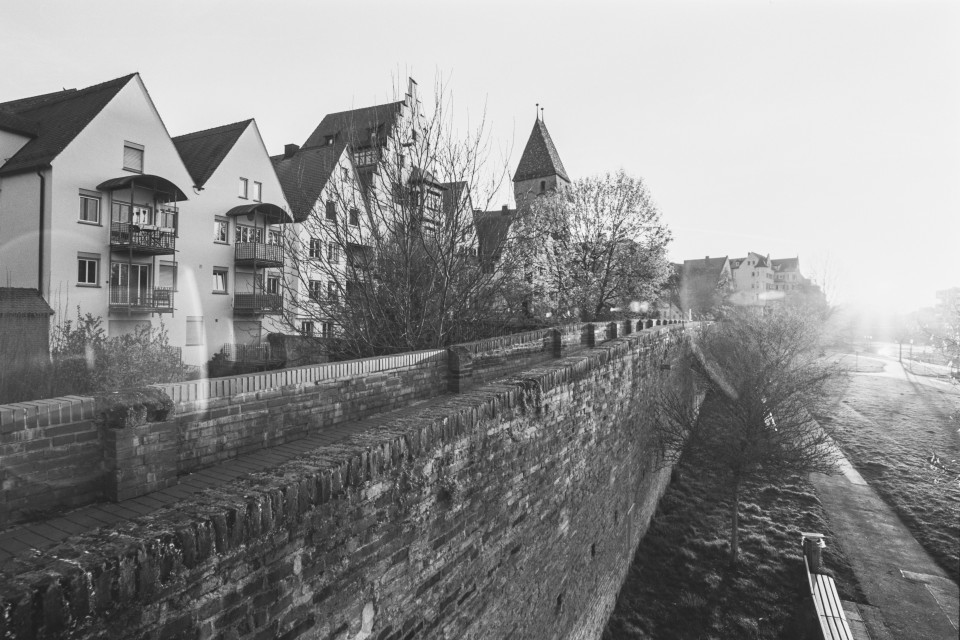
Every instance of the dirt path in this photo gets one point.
(893, 424)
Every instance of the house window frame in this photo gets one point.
(354, 216)
(244, 188)
(140, 152)
(272, 285)
(333, 253)
(90, 259)
(225, 272)
(174, 266)
(333, 295)
(195, 339)
(248, 233)
(315, 290)
(90, 196)
(257, 194)
(307, 327)
(316, 248)
(221, 230)
(330, 212)
(326, 329)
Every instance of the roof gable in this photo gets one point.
(356, 126)
(203, 151)
(493, 228)
(57, 119)
(304, 175)
(540, 157)
(707, 267)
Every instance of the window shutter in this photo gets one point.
(133, 158)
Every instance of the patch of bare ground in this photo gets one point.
(680, 584)
(901, 435)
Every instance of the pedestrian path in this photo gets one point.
(913, 597)
(33, 538)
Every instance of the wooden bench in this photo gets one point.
(823, 590)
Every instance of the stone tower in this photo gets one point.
(540, 170)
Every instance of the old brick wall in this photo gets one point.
(510, 510)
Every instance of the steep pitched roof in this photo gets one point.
(203, 151)
(356, 126)
(16, 301)
(540, 157)
(303, 176)
(492, 229)
(452, 196)
(786, 264)
(57, 118)
(707, 267)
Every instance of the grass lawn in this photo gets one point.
(680, 584)
(902, 437)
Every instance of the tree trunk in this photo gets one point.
(735, 524)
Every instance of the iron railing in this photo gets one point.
(158, 299)
(253, 353)
(266, 254)
(144, 238)
(258, 302)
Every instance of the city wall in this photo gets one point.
(508, 509)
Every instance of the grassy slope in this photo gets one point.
(902, 437)
(680, 585)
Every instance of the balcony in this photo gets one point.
(262, 354)
(257, 303)
(258, 254)
(142, 239)
(142, 300)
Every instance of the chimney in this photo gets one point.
(289, 150)
(708, 257)
(505, 211)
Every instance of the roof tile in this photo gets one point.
(203, 151)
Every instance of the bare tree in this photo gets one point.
(592, 248)
(384, 254)
(763, 377)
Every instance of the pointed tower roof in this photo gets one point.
(540, 157)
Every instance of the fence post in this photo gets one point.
(589, 335)
(459, 369)
(612, 331)
(556, 342)
(812, 550)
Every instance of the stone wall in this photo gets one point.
(507, 510)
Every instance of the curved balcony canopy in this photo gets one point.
(271, 212)
(147, 181)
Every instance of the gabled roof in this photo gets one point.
(492, 229)
(786, 264)
(452, 196)
(303, 176)
(356, 127)
(57, 119)
(16, 301)
(203, 151)
(540, 158)
(706, 268)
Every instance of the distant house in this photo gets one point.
(704, 285)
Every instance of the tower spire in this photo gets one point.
(538, 111)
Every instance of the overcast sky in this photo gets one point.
(825, 130)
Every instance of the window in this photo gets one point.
(243, 188)
(327, 329)
(273, 284)
(543, 186)
(316, 247)
(316, 290)
(332, 291)
(89, 208)
(133, 157)
(194, 331)
(273, 237)
(243, 233)
(365, 157)
(333, 252)
(432, 201)
(167, 275)
(88, 270)
(306, 327)
(355, 217)
(257, 191)
(220, 279)
(329, 140)
(346, 173)
(331, 210)
(221, 230)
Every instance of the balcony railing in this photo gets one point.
(142, 238)
(267, 255)
(257, 303)
(146, 300)
(253, 353)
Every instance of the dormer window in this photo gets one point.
(543, 186)
(329, 140)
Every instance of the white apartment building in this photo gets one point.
(100, 211)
